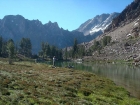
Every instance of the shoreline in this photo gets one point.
(40, 83)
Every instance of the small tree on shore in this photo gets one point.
(43, 50)
(1, 46)
(10, 48)
(75, 48)
(25, 47)
(65, 53)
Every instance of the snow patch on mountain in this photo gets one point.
(96, 24)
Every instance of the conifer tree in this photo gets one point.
(1, 46)
(26, 46)
(75, 48)
(10, 48)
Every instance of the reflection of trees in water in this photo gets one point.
(123, 75)
(117, 71)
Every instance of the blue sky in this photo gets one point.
(69, 14)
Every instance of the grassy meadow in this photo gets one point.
(28, 83)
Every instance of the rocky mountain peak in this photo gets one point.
(97, 24)
(13, 17)
(52, 25)
(16, 27)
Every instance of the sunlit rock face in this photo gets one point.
(97, 24)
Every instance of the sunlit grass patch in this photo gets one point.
(27, 83)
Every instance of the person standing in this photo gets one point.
(54, 61)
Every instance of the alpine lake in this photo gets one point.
(124, 75)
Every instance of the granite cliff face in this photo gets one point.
(97, 24)
(17, 27)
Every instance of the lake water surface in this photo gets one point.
(122, 74)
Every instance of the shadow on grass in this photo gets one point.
(25, 65)
(22, 65)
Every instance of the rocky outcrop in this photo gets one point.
(125, 43)
(125, 35)
(130, 13)
(97, 24)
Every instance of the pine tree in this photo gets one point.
(81, 51)
(1, 46)
(4, 49)
(48, 50)
(106, 40)
(66, 53)
(43, 49)
(10, 48)
(26, 46)
(75, 48)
